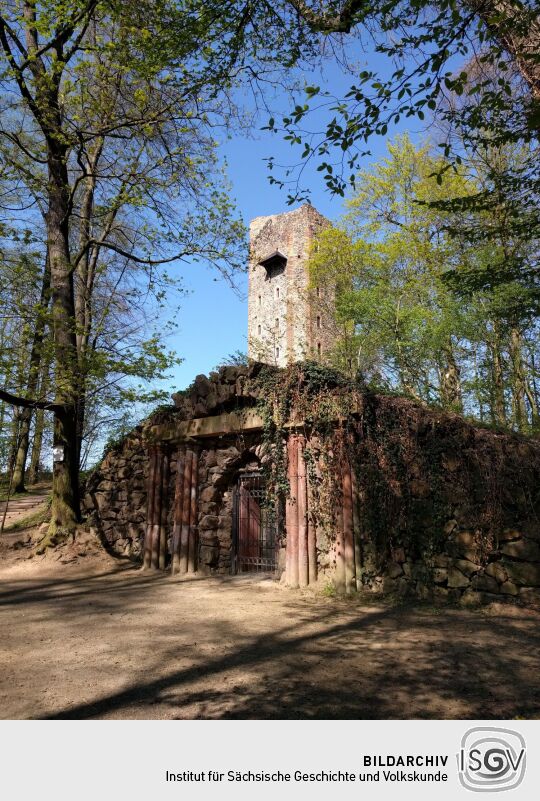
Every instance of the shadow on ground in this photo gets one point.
(129, 644)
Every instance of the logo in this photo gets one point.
(491, 759)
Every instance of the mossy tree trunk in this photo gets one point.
(65, 512)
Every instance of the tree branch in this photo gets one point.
(330, 23)
(28, 403)
(137, 259)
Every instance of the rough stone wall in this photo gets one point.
(220, 464)
(115, 498)
(446, 510)
(114, 501)
(286, 322)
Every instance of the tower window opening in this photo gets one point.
(277, 322)
(259, 300)
(259, 330)
(318, 292)
(277, 292)
(277, 353)
(318, 321)
(318, 348)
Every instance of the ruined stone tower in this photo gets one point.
(287, 321)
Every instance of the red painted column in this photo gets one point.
(192, 541)
(291, 511)
(348, 529)
(340, 526)
(178, 502)
(186, 512)
(303, 569)
(356, 528)
(311, 523)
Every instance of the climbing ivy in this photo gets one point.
(320, 403)
(397, 451)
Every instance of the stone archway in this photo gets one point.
(219, 470)
(255, 532)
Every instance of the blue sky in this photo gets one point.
(213, 319)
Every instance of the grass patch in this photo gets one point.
(35, 518)
(42, 487)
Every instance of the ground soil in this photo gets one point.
(17, 507)
(83, 635)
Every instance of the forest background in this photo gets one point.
(115, 128)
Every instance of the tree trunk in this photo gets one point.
(42, 97)
(535, 394)
(518, 381)
(517, 30)
(478, 384)
(451, 395)
(82, 298)
(25, 415)
(498, 410)
(14, 444)
(39, 427)
(65, 510)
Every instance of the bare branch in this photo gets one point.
(29, 403)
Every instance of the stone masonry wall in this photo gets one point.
(282, 313)
(115, 497)
(446, 510)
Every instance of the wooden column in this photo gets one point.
(185, 538)
(340, 578)
(301, 551)
(316, 471)
(356, 529)
(192, 541)
(303, 568)
(348, 529)
(162, 532)
(311, 540)
(291, 511)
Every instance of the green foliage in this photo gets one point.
(322, 401)
(483, 54)
(238, 358)
(31, 520)
(404, 324)
(329, 590)
(140, 103)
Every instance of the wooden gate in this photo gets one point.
(254, 526)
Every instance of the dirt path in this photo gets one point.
(95, 639)
(21, 506)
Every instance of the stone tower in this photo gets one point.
(287, 321)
